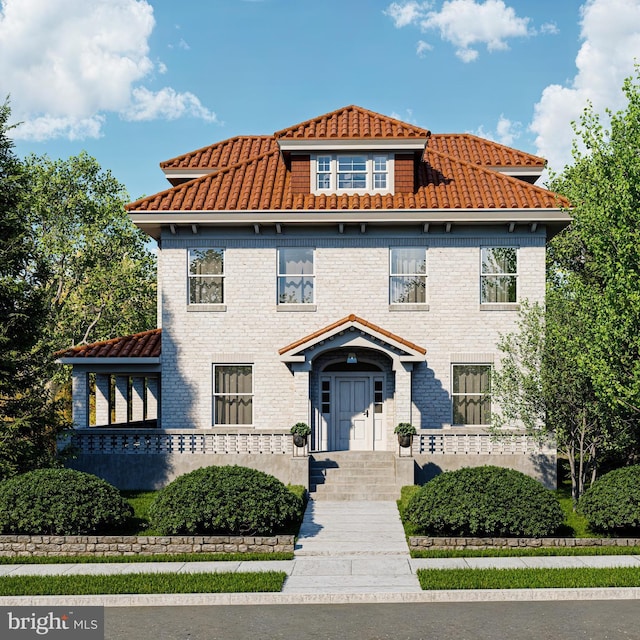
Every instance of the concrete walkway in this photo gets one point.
(351, 547)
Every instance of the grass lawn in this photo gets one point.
(519, 552)
(167, 557)
(437, 579)
(142, 583)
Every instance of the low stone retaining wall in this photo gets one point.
(417, 543)
(17, 546)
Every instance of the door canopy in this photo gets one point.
(353, 331)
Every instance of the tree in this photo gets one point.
(576, 368)
(101, 275)
(596, 260)
(28, 420)
(543, 386)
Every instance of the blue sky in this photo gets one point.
(135, 82)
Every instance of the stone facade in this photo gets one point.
(425, 543)
(24, 546)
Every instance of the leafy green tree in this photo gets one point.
(597, 258)
(28, 420)
(101, 274)
(574, 370)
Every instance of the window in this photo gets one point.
(407, 275)
(352, 173)
(295, 275)
(232, 394)
(206, 276)
(471, 394)
(499, 275)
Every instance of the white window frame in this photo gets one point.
(499, 275)
(412, 275)
(215, 394)
(487, 365)
(311, 276)
(327, 163)
(193, 277)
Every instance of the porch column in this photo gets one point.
(137, 399)
(153, 390)
(300, 393)
(403, 392)
(122, 399)
(80, 395)
(103, 382)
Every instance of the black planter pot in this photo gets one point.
(298, 440)
(404, 440)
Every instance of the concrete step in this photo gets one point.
(345, 494)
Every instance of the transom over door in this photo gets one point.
(355, 417)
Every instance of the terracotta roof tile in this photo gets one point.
(263, 183)
(223, 154)
(352, 122)
(147, 344)
(348, 319)
(482, 152)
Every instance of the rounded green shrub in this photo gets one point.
(484, 501)
(228, 500)
(612, 503)
(60, 502)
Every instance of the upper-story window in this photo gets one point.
(499, 275)
(408, 275)
(352, 173)
(206, 276)
(295, 275)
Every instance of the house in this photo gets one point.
(352, 272)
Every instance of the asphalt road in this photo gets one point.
(594, 620)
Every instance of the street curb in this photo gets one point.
(228, 599)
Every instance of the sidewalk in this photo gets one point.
(347, 552)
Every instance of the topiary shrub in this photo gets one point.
(484, 501)
(60, 502)
(612, 503)
(230, 500)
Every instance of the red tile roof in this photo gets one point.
(263, 183)
(482, 152)
(348, 319)
(223, 154)
(140, 345)
(352, 122)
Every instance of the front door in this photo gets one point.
(354, 414)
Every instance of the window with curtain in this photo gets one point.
(471, 394)
(295, 275)
(206, 276)
(232, 394)
(499, 275)
(408, 275)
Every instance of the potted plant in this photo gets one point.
(300, 431)
(405, 432)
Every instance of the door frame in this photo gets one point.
(329, 422)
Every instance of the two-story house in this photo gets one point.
(352, 272)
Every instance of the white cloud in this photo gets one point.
(68, 64)
(422, 47)
(167, 104)
(464, 23)
(610, 30)
(506, 131)
(404, 14)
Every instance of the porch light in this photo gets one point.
(351, 358)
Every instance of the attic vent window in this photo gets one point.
(351, 173)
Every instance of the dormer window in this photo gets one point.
(352, 173)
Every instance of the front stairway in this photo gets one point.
(353, 475)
